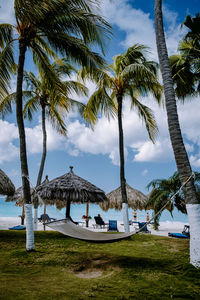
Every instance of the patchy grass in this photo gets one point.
(143, 267)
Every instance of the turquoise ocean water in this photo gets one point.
(8, 209)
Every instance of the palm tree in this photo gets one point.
(54, 102)
(162, 191)
(64, 26)
(132, 75)
(185, 65)
(183, 77)
(181, 157)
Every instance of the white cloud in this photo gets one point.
(138, 26)
(145, 172)
(195, 161)
(161, 151)
(7, 11)
(34, 138)
(8, 134)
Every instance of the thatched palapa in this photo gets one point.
(6, 185)
(69, 188)
(136, 199)
(18, 197)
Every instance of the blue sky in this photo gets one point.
(94, 154)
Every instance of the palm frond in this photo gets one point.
(99, 102)
(6, 104)
(147, 116)
(57, 121)
(31, 106)
(70, 86)
(6, 34)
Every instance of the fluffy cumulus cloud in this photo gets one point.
(7, 11)
(8, 137)
(34, 138)
(121, 14)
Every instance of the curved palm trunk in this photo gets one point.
(23, 156)
(181, 157)
(40, 173)
(122, 171)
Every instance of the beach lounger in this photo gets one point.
(184, 235)
(112, 225)
(178, 235)
(99, 222)
(145, 229)
(44, 218)
(18, 227)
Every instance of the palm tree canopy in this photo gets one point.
(132, 75)
(55, 99)
(183, 76)
(65, 27)
(186, 65)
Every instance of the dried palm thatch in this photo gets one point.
(18, 197)
(6, 185)
(136, 199)
(69, 188)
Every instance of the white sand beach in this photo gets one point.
(164, 228)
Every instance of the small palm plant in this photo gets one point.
(161, 193)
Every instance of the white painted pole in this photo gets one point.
(35, 219)
(193, 211)
(29, 228)
(125, 217)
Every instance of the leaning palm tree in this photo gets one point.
(131, 75)
(64, 26)
(54, 102)
(181, 157)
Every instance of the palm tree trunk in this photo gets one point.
(40, 173)
(181, 157)
(44, 149)
(122, 171)
(23, 156)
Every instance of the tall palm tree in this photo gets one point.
(64, 26)
(131, 75)
(54, 102)
(181, 157)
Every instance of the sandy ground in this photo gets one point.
(165, 227)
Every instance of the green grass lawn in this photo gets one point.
(143, 267)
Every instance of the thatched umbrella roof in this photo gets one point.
(69, 188)
(18, 197)
(136, 199)
(6, 185)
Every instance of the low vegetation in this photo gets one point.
(143, 267)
